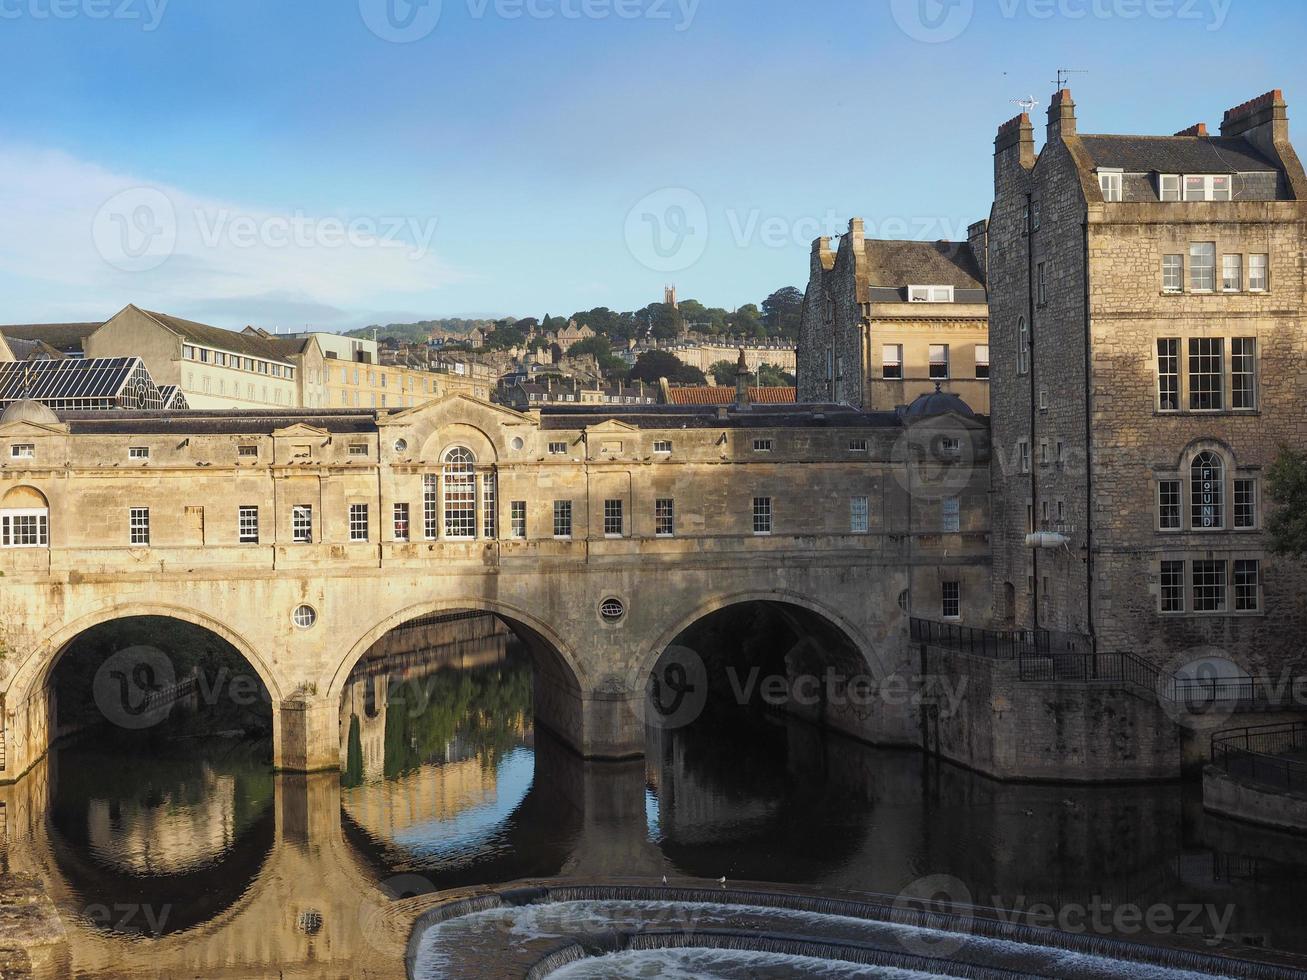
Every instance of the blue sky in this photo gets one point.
(342, 162)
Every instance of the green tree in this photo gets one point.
(1286, 485)
(747, 320)
(655, 364)
(781, 312)
(723, 372)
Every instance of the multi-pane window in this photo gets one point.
(138, 452)
(1023, 346)
(23, 450)
(614, 525)
(1172, 273)
(1207, 492)
(1209, 586)
(939, 361)
(1168, 505)
(1246, 573)
(460, 486)
(301, 523)
(664, 517)
(26, 528)
(138, 525)
(562, 518)
(950, 600)
(762, 445)
(1202, 267)
(1207, 187)
(400, 522)
(663, 447)
(1172, 586)
(247, 452)
(489, 506)
(358, 449)
(982, 360)
(1231, 273)
(1243, 372)
(358, 522)
(858, 515)
(1168, 187)
(1245, 504)
(762, 515)
(1110, 184)
(891, 361)
(1041, 283)
(558, 449)
(1023, 454)
(950, 515)
(1168, 374)
(859, 445)
(1205, 373)
(517, 515)
(1257, 275)
(430, 506)
(247, 521)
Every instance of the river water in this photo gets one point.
(186, 856)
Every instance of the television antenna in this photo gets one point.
(1028, 104)
(1062, 74)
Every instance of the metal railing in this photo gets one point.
(1263, 755)
(1147, 679)
(995, 644)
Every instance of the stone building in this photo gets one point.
(886, 321)
(1146, 309)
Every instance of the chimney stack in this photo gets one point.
(1061, 115)
(1262, 121)
(1197, 129)
(1014, 146)
(978, 239)
(823, 257)
(742, 379)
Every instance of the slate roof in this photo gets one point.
(723, 395)
(245, 344)
(67, 338)
(905, 263)
(558, 417)
(26, 350)
(1177, 154)
(215, 422)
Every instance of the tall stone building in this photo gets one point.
(886, 321)
(1146, 316)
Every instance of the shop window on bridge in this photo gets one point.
(460, 494)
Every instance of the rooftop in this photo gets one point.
(723, 395)
(1177, 154)
(913, 263)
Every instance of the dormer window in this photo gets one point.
(1109, 182)
(1197, 187)
(1168, 187)
(930, 294)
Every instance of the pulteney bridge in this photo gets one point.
(599, 534)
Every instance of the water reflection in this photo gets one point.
(446, 782)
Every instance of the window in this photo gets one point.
(558, 449)
(489, 506)
(1245, 504)
(762, 515)
(358, 522)
(1171, 593)
(664, 517)
(247, 452)
(1257, 272)
(304, 617)
(1168, 374)
(301, 523)
(25, 528)
(1205, 373)
(1243, 372)
(1023, 346)
(138, 452)
(460, 485)
(247, 525)
(1034, 216)
(1246, 598)
(762, 445)
(430, 506)
(23, 450)
(858, 520)
(1023, 454)
(950, 515)
(1207, 187)
(139, 525)
(517, 518)
(859, 446)
(939, 361)
(662, 447)
(1041, 283)
(930, 294)
(1207, 492)
(1231, 273)
(1172, 273)
(1209, 586)
(562, 518)
(358, 449)
(613, 523)
(400, 521)
(1110, 185)
(982, 360)
(951, 600)
(1168, 187)
(1202, 267)
(1168, 505)
(891, 361)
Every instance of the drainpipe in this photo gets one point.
(1089, 468)
(1030, 443)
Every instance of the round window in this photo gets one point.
(305, 616)
(401, 445)
(517, 442)
(612, 609)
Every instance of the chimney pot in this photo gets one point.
(1197, 129)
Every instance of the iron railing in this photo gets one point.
(1264, 755)
(995, 644)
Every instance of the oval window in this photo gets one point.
(612, 609)
(401, 445)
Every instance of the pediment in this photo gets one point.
(611, 426)
(457, 407)
(300, 430)
(20, 429)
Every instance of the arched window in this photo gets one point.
(24, 519)
(1207, 492)
(460, 486)
(1023, 346)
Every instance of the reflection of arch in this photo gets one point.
(859, 640)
